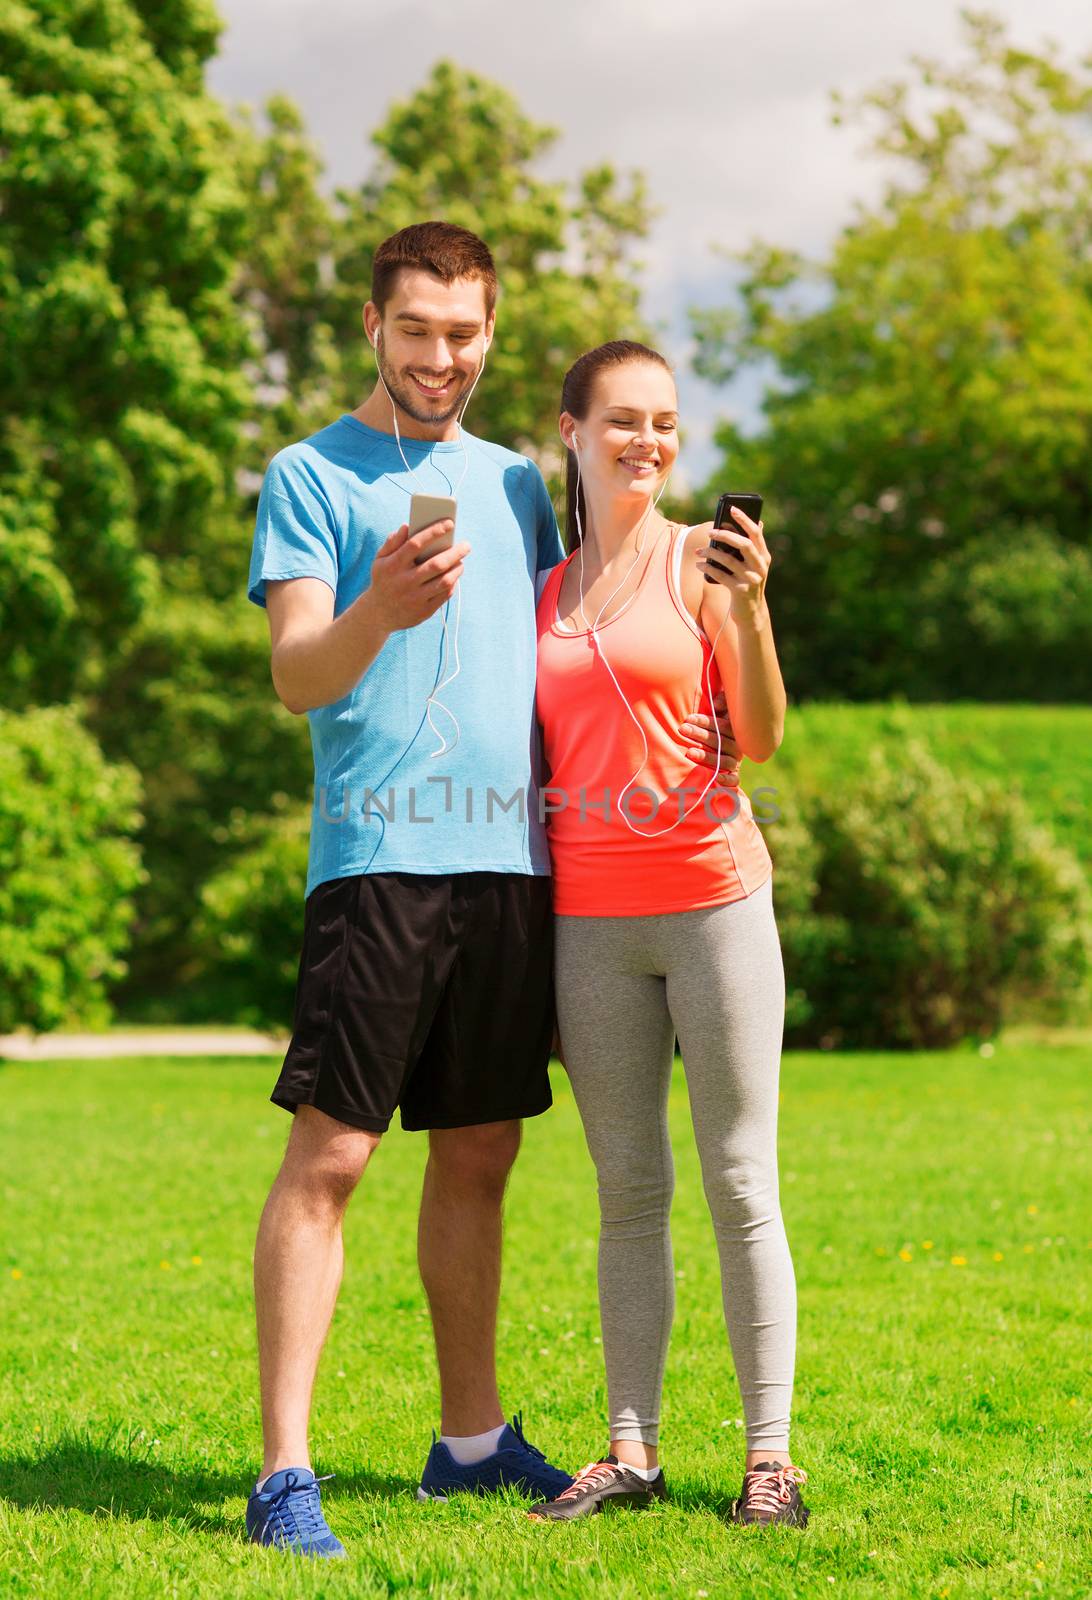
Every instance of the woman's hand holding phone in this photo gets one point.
(745, 575)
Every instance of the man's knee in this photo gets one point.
(326, 1158)
(475, 1159)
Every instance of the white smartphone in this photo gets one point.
(427, 508)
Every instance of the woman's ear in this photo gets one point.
(566, 426)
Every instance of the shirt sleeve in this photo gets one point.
(550, 548)
(295, 531)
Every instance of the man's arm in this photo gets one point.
(318, 658)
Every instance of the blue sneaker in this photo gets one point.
(514, 1464)
(287, 1512)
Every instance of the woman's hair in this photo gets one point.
(576, 397)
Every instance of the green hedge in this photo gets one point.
(1045, 752)
(249, 931)
(68, 866)
(918, 908)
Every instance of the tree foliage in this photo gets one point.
(179, 297)
(121, 392)
(460, 149)
(930, 420)
(68, 870)
(124, 398)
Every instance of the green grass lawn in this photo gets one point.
(938, 1211)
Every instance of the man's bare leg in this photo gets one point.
(459, 1253)
(298, 1260)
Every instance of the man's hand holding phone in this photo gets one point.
(407, 590)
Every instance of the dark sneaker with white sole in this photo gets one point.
(515, 1464)
(601, 1484)
(770, 1494)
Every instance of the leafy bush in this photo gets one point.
(796, 868)
(249, 931)
(928, 907)
(1007, 618)
(67, 868)
(194, 710)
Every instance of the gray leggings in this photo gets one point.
(625, 987)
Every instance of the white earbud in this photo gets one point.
(375, 339)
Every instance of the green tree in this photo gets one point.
(121, 393)
(127, 358)
(284, 282)
(178, 299)
(930, 419)
(461, 150)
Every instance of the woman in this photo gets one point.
(664, 917)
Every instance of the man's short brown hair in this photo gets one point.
(441, 248)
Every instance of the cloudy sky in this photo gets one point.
(723, 104)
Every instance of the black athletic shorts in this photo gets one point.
(431, 993)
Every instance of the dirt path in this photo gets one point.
(139, 1042)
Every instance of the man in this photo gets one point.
(425, 975)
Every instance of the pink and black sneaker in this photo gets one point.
(770, 1494)
(601, 1484)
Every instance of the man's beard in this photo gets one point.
(410, 402)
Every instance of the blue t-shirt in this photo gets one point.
(383, 802)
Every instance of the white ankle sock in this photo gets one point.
(472, 1447)
(647, 1473)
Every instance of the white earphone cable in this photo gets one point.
(599, 648)
(441, 681)
(433, 699)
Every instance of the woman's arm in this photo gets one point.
(735, 608)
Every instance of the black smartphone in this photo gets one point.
(751, 506)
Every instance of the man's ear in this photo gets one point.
(370, 318)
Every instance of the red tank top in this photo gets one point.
(594, 748)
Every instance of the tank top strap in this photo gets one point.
(675, 547)
(549, 587)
